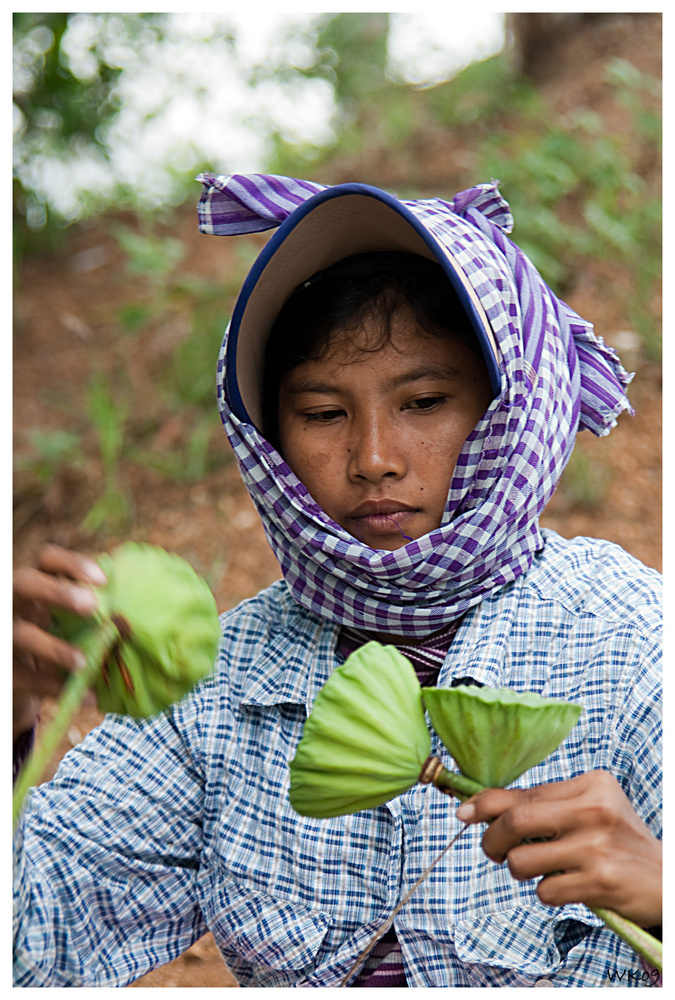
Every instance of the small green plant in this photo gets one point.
(196, 310)
(49, 452)
(112, 508)
(577, 193)
(150, 256)
(154, 258)
(189, 380)
(193, 459)
(134, 315)
(634, 91)
(585, 482)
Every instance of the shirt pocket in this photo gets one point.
(528, 940)
(265, 941)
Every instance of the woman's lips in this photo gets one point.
(382, 517)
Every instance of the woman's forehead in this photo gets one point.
(407, 354)
(366, 338)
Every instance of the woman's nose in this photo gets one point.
(376, 451)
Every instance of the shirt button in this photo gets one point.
(543, 982)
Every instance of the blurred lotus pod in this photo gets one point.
(496, 734)
(366, 738)
(156, 630)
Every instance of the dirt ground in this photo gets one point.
(65, 308)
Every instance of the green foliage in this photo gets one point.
(149, 256)
(188, 379)
(351, 53)
(632, 88)
(49, 452)
(191, 380)
(111, 511)
(577, 192)
(65, 98)
(585, 482)
(485, 91)
(183, 381)
(193, 458)
(572, 163)
(134, 315)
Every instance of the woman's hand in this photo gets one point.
(37, 654)
(600, 850)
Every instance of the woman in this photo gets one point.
(400, 423)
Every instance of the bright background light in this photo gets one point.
(428, 48)
(187, 98)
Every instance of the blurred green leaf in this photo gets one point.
(112, 509)
(149, 256)
(50, 451)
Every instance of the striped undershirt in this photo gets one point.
(384, 965)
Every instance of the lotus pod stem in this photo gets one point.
(434, 773)
(74, 690)
(640, 940)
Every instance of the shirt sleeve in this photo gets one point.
(107, 855)
(635, 741)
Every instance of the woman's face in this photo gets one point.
(375, 434)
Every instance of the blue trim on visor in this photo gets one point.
(287, 226)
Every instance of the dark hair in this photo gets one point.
(365, 287)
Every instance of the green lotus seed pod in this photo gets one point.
(156, 630)
(366, 738)
(496, 734)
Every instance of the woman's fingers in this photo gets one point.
(582, 835)
(551, 812)
(547, 821)
(488, 805)
(567, 854)
(34, 587)
(58, 582)
(62, 579)
(572, 886)
(33, 645)
(56, 560)
(622, 879)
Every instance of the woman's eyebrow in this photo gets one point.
(427, 370)
(309, 385)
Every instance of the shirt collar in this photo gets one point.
(295, 665)
(480, 649)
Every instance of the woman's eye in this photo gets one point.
(425, 402)
(324, 416)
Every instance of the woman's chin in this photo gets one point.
(389, 541)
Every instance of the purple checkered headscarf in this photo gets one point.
(556, 378)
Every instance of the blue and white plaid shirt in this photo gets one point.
(153, 832)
